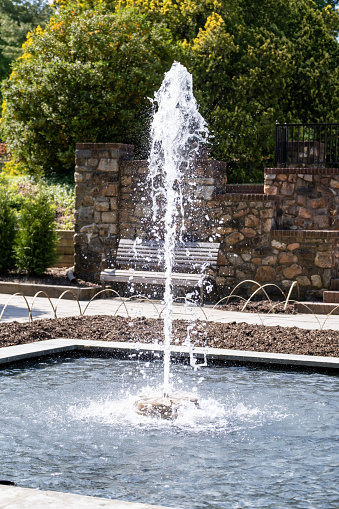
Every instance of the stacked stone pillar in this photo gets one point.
(97, 177)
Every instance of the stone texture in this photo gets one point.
(303, 281)
(293, 246)
(265, 274)
(108, 165)
(234, 238)
(323, 260)
(316, 280)
(287, 257)
(304, 213)
(292, 271)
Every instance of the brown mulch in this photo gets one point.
(261, 306)
(238, 336)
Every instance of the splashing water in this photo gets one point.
(177, 130)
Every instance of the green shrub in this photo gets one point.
(60, 191)
(36, 241)
(7, 232)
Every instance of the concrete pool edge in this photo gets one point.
(14, 497)
(17, 353)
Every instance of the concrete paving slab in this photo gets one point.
(13, 497)
(18, 309)
(62, 345)
(31, 289)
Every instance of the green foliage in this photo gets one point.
(17, 18)
(85, 78)
(321, 4)
(275, 61)
(253, 63)
(7, 232)
(60, 191)
(36, 241)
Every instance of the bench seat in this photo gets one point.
(192, 261)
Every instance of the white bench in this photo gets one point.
(143, 263)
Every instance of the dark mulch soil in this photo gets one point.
(54, 276)
(261, 306)
(238, 336)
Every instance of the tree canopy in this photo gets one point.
(254, 62)
(16, 19)
(85, 78)
(278, 62)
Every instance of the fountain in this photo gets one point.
(248, 440)
(177, 133)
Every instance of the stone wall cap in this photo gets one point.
(315, 234)
(246, 197)
(100, 146)
(302, 171)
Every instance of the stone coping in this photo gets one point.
(245, 188)
(53, 291)
(18, 353)
(98, 146)
(245, 197)
(13, 497)
(318, 308)
(301, 171)
(311, 234)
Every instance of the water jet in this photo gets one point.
(178, 132)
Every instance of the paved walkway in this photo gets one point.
(12, 497)
(18, 308)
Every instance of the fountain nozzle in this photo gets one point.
(163, 407)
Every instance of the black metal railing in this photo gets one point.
(314, 145)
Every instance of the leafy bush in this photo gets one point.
(36, 241)
(60, 191)
(85, 78)
(7, 232)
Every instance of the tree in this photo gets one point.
(254, 62)
(85, 78)
(277, 62)
(17, 18)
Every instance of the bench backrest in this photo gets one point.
(147, 255)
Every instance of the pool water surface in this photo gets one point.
(266, 439)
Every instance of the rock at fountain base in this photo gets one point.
(164, 407)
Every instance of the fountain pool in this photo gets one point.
(260, 438)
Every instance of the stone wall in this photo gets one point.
(283, 232)
(310, 199)
(97, 204)
(113, 201)
(282, 257)
(135, 219)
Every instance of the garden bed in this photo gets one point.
(234, 336)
